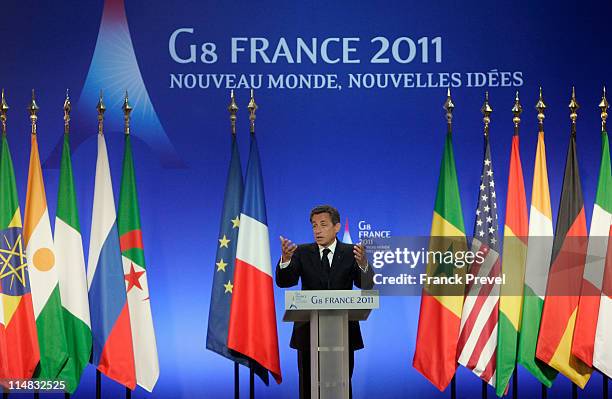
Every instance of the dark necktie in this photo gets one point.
(325, 259)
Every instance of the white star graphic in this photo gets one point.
(478, 222)
(489, 219)
(489, 173)
(487, 162)
(485, 197)
(491, 230)
(486, 208)
(493, 194)
(481, 233)
(482, 187)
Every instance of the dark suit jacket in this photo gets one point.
(344, 272)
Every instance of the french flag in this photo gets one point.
(252, 325)
(110, 319)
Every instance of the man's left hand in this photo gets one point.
(360, 255)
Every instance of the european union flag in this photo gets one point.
(223, 282)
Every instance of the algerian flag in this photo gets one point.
(539, 251)
(71, 274)
(130, 236)
(43, 273)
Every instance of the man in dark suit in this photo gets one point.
(326, 264)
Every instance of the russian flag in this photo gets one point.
(252, 326)
(110, 318)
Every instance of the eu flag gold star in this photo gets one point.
(221, 265)
(228, 287)
(223, 242)
(236, 222)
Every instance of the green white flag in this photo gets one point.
(72, 277)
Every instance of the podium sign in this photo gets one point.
(329, 312)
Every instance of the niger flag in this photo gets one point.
(565, 278)
(440, 314)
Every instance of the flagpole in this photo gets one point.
(233, 110)
(486, 111)
(251, 384)
(603, 105)
(448, 107)
(252, 107)
(236, 381)
(573, 106)
(517, 109)
(540, 107)
(98, 384)
(33, 109)
(127, 110)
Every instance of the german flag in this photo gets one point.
(565, 276)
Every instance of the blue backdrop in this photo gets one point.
(372, 152)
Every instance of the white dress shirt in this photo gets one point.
(330, 256)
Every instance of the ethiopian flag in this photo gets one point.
(565, 277)
(588, 307)
(38, 242)
(539, 250)
(132, 251)
(22, 350)
(440, 314)
(71, 274)
(513, 266)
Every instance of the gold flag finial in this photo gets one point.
(33, 108)
(540, 107)
(67, 109)
(233, 110)
(252, 108)
(573, 106)
(449, 106)
(486, 111)
(603, 106)
(101, 109)
(517, 109)
(3, 109)
(127, 110)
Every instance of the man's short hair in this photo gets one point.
(333, 213)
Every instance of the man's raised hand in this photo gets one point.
(287, 248)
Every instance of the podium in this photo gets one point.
(329, 312)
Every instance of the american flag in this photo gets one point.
(478, 337)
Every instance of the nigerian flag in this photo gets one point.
(132, 250)
(71, 273)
